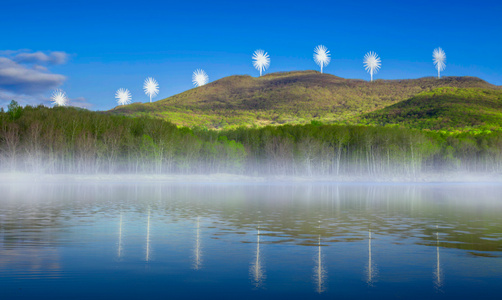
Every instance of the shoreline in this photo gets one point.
(450, 178)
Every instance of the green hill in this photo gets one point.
(444, 109)
(287, 97)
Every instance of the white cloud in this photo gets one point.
(40, 68)
(25, 77)
(19, 78)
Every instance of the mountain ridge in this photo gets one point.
(294, 97)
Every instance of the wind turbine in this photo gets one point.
(439, 59)
(199, 78)
(372, 63)
(261, 60)
(321, 56)
(59, 98)
(151, 87)
(123, 96)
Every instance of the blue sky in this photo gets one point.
(91, 48)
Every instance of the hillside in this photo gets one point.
(287, 97)
(444, 108)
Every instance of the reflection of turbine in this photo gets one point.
(148, 237)
(320, 273)
(120, 237)
(438, 274)
(197, 251)
(371, 269)
(257, 271)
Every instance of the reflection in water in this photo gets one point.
(371, 270)
(120, 237)
(76, 220)
(257, 269)
(30, 263)
(438, 273)
(320, 273)
(197, 263)
(147, 258)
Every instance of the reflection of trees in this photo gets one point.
(34, 262)
(400, 211)
(289, 213)
(25, 219)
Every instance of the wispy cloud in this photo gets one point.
(80, 102)
(53, 58)
(25, 75)
(6, 97)
(13, 52)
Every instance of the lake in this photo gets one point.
(250, 241)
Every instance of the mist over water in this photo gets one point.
(236, 240)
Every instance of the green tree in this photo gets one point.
(15, 110)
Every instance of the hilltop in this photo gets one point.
(287, 97)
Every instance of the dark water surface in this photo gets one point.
(254, 241)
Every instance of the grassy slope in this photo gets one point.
(444, 109)
(288, 97)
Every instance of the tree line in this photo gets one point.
(71, 140)
(318, 149)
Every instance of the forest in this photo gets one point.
(64, 140)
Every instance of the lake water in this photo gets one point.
(250, 241)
